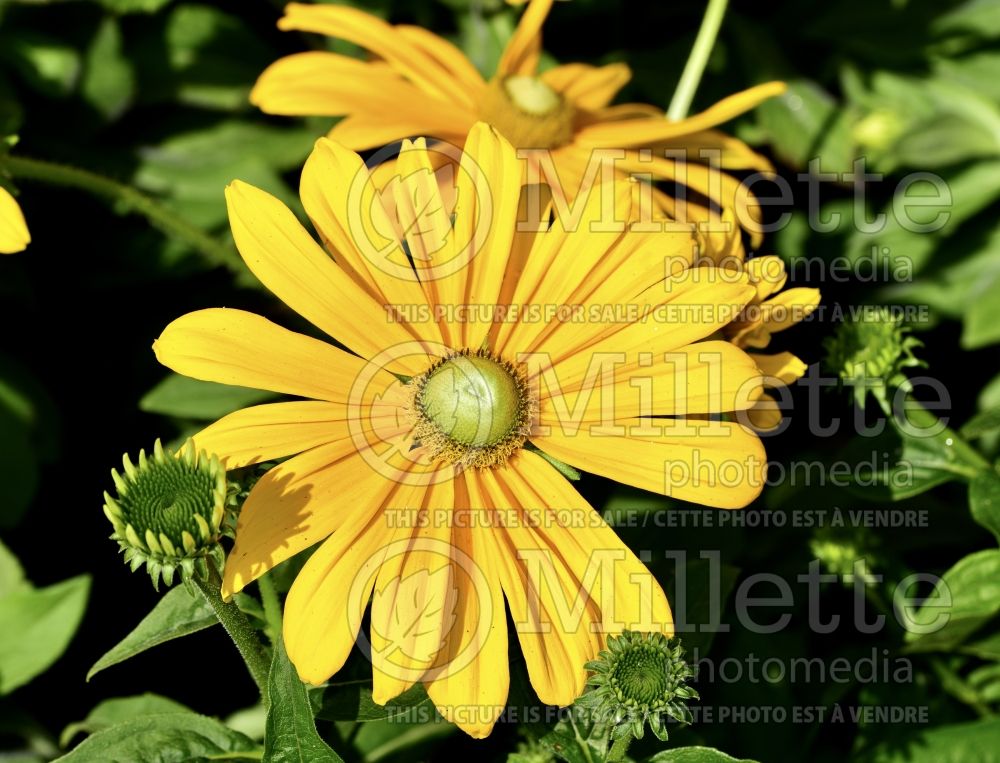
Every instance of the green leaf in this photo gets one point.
(189, 398)
(695, 755)
(352, 701)
(984, 500)
(108, 82)
(290, 735)
(177, 614)
(982, 423)
(38, 625)
(11, 573)
(112, 711)
(19, 471)
(164, 738)
(974, 587)
(976, 742)
(48, 64)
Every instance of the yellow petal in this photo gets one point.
(731, 153)
(524, 47)
(295, 268)
(470, 685)
(415, 600)
(326, 602)
(372, 33)
(706, 377)
(708, 462)
(275, 430)
(364, 129)
(588, 87)
(349, 215)
(236, 347)
(626, 133)
(14, 234)
(766, 415)
(542, 591)
(449, 57)
(298, 504)
(631, 599)
(779, 369)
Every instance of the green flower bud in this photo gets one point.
(870, 354)
(640, 679)
(169, 512)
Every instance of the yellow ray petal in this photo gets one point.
(706, 377)
(524, 47)
(295, 268)
(632, 598)
(540, 589)
(330, 84)
(489, 192)
(588, 87)
(674, 313)
(766, 415)
(449, 57)
(343, 205)
(236, 347)
(626, 133)
(767, 274)
(712, 463)
(274, 430)
(382, 39)
(731, 153)
(299, 503)
(325, 605)
(780, 367)
(470, 686)
(415, 599)
(364, 130)
(14, 234)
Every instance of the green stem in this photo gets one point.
(239, 629)
(159, 216)
(697, 61)
(272, 606)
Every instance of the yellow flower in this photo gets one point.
(421, 84)
(424, 452)
(14, 234)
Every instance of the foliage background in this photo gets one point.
(154, 93)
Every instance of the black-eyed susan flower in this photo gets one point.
(479, 351)
(168, 511)
(420, 84)
(14, 234)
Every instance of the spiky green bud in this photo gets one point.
(640, 679)
(870, 354)
(168, 512)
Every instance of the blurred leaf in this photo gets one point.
(108, 80)
(189, 398)
(38, 625)
(163, 738)
(177, 614)
(213, 57)
(807, 122)
(979, 16)
(379, 740)
(112, 711)
(11, 573)
(697, 609)
(976, 742)
(694, 755)
(982, 423)
(984, 500)
(46, 63)
(352, 701)
(193, 168)
(290, 735)
(974, 587)
(985, 682)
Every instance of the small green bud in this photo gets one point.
(640, 679)
(870, 354)
(169, 512)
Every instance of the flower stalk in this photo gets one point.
(695, 66)
(164, 220)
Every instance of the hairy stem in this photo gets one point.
(695, 66)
